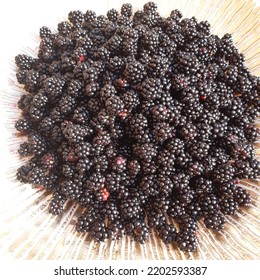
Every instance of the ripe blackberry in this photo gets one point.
(176, 209)
(23, 125)
(71, 190)
(57, 203)
(151, 89)
(188, 132)
(203, 185)
(99, 231)
(167, 232)
(223, 173)
(134, 72)
(75, 17)
(126, 10)
(114, 105)
(36, 176)
(130, 208)
(24, 62)
(209, 203)
(115, 230)
(228, 205)
(45, 32)
(187, 241)
(215, 221)
(85, 221)
(112, 15)
(137, 229)
(162, 131)
(242, 197)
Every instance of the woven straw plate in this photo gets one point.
(28, 231)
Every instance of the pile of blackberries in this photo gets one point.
(147, 122)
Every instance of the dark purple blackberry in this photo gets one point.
(85, 221)
(176, 209)
(53, 87)
(57, 204)
(76, 18)
(126, 10)
(209, 203)
(99, 231)
(112, 15)
(203, 185)
(114, 105)
(242, 197)
(36, 176)
(187, 241)
(148, 185)
(188, 132)
(45, 32)
(156, 218)
(176, 15)
(151, 89)
(162, 131)
(134, 72)
(23, 125)
(167, 232)
(228, 205)
(198, 150)
(24, 62)
(130, 208)
(215, 221)
(223, 173)
(71, 190)
(115, 230)
(137, 229)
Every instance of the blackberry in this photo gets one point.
(223, 173)
(138, 230)
(114, 105)
(215, 221)
(36, 176)
(148, 185)
(130, 208)
(187, 241)
(176, 209)
(57, 204)
(84, 223)
(134, 72)
(188, 132)
(24, 62)
(25, 149)
(209, 203)
(115, 230)
(155, 218)
(99, 231)
(227, 205)
(45, 32)
(71, 190)
(167, 232)
(162, 131)
(126, 10)
(151, 89)
(242, 197)
(23, 125)
(112, 15)
(75, 17)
